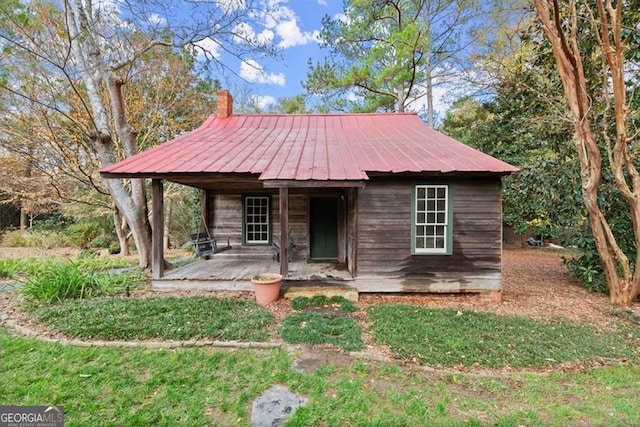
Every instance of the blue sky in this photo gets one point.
(294, 28)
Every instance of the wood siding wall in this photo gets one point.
(384, 238)
(375, 240)
(225, 215)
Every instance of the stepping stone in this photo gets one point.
(273, 406)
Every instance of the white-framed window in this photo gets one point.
(432, 216)
(257, 219)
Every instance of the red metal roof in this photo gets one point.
(310, 147)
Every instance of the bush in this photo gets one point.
(102, 241)
(34, 239)
(114, 248)
(14, 239)
(82, 233)
(586, 266)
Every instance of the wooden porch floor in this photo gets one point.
(233, 272)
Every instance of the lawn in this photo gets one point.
(206, 386)
(452, 367)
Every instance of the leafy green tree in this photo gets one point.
(290, 105)
(377, 51)
(388, 55)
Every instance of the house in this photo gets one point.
(379, 201)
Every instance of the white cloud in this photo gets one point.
(292, 35)
(264, 101)
(253, 72)
(156, 19)
(284, 22)
(245, 32)
(231, 5)
(206, 47)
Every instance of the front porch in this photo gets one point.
(233, 270)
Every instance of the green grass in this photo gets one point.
(17, 267)
(300, 303)
(64, 280)
(322, 327)
(171, 318)
(205, 386)
(314, 328)
(455, 338)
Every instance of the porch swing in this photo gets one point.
(204, 245)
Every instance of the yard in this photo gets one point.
(378, 386)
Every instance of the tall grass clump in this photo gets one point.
(66, 280)
(9, 268)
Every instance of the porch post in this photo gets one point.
(157, 235)
(352, 231)
(284, 231)
(204, 212)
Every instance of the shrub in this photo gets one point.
(586, 266)
(14, 239)
(81, 233)
(34, 239)
(114, 248)
(101, 241)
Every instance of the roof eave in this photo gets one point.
(309, 183)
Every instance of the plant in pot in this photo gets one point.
(267, 287)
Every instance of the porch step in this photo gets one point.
(347, 292)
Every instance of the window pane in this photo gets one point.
(431, 218)
(256, 219)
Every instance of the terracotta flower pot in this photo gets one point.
(267, 287)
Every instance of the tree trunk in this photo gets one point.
(95, 73)
(120, 225)
(562, 33)
(23, 218)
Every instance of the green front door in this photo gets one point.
(323, 228)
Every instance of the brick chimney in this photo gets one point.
(224, 104)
